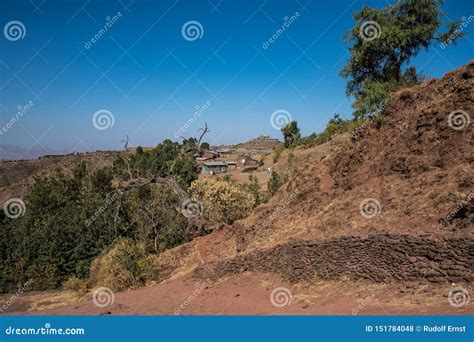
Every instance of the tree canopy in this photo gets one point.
(383, 41)
(291, 134)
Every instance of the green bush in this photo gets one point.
(335, 126)
(121, 266)
(274, 183)
(223, 201)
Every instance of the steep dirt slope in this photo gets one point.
(393, 204)
(416, 167)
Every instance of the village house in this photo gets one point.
(248, 161)
(205, 155)
(231, 165)
(212, 167)
(225, 151)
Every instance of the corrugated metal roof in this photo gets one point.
(214, 163)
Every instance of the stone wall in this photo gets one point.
(386, 257)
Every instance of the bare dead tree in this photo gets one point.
(125, 141)
(195, 226)
(204, 131)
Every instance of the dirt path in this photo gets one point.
(251, 294)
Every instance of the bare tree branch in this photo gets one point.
(204, 130)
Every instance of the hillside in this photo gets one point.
(262, 142)
(387, 215)
(16, 175)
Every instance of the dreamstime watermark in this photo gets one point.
(110, 21)
(21, 288)
(14, 208)
(287, 21)
(46, 330)
(280, 118)
(458, 119)
(199, 110)
(458, 32)
(368, 299)
(22, 110)
(369, 208)
(281, 206)
(103, 119)
(14, 30)
(192, 297)
(109, 199)
(458, 297)
(102, 297)
(192, 208)
(369, 30)
(452, 214)
(370, 120)
(192, 30)
(281, 297)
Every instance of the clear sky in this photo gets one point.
(150, 78)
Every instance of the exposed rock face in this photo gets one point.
(381, 258)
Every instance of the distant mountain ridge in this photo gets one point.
(13, 152)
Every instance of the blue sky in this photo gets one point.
(150, 78)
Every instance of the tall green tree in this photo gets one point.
(382, 43)
(291, 134)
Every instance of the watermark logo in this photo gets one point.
(287, 21)
(452, 214)
(370, 30)
(192, 208)
(458, 297)
(281, 297)
(22, 110)
(14, 208)
(108, 201)
(199, 110)
(370, 120)
(281, 206)
(14, 30)
(21, 288)
(192, 30)
(368, 299)
(458, 119)
(199, 288)
(109, 22)
(103, 119)
(280, 118)
(370, 207)
(102, 297)
(458, 32)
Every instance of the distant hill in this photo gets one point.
(13, 152)
(263, 142)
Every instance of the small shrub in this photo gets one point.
(274, 183)
(277, 151)
(75, 284)
(223, 201)
(121, 266)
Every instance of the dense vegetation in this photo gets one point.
(104, 225)
(71, 218)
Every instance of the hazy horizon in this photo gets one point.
(154, 80)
